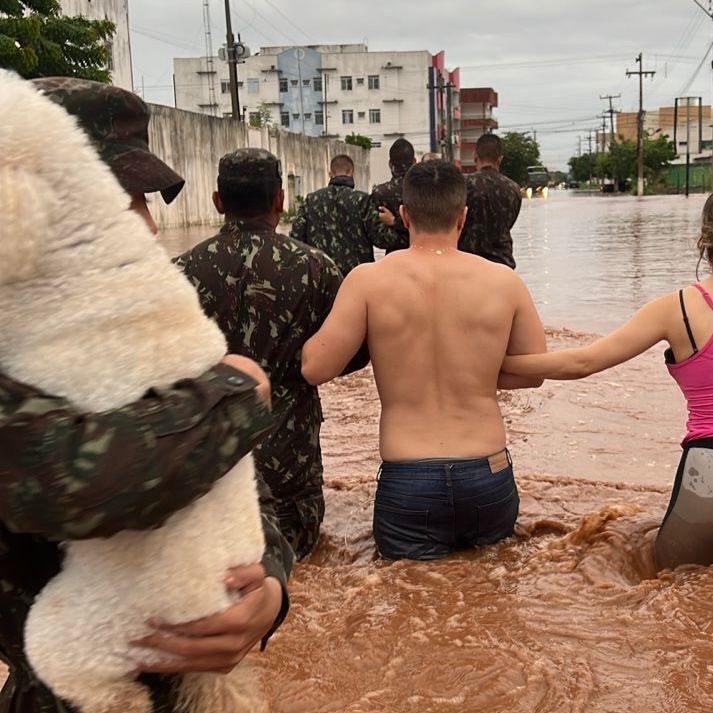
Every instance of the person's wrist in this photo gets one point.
(274, 593)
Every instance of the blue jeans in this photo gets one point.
(426, 509)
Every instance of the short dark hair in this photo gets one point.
(401, 153)
(248, 198)
(489, 147)
(434, 194)
(341, 164)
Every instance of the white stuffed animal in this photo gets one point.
(91, 309)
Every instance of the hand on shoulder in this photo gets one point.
(253, 370)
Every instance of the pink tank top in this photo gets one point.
(695, 379)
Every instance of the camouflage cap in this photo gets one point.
(117, 122)
(247, 165)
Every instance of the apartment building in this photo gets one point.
(333, 90)
(476, 107)
(120, 47)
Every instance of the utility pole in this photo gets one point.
(611, 111)
(604, 133)
(449, 121)
(641, 73)
(232, 52)
(299, 55)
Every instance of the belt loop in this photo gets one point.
(378, 475)
(509, 457)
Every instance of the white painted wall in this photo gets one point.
(192, 144)
(118, 12)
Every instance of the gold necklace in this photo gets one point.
(437, 251)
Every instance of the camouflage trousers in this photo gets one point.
(300, 520)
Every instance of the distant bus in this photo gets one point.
(537, 181)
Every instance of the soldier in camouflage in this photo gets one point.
(493, 205)
(333, 218)
(269, 294)
(68, 475)
(393, 236)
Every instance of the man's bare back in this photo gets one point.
(438, 324)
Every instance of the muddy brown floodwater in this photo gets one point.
(567, 616)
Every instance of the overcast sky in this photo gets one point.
(549, 60)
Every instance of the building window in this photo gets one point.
(285, 118)
(361, 115)
(319, 118)
(296, 116)
(253, 86)
(283, 84)
(374, 116)
(240, 85)
(317, 84)
(308, 115)
(346, 84)
(224, 87)
(376, 144)
(347, 116)
(294, 82)
(306, 82)
(360, 81)
(254, 118)
(374, 81)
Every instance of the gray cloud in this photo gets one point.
(549, 60)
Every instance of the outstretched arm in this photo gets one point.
(328, 352)
(527, 336)
(641, 332)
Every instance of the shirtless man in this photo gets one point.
(438, 323)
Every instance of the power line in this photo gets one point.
(290, 20)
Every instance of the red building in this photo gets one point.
(476, 119)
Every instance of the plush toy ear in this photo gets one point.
(23, 223)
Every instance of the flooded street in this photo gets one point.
(569, 615)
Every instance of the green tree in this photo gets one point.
(658, 153)
(583, 167)
(36, 40)
(261, 117)
(519, 152)
(358, 140)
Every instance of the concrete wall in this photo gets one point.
(192, 144)
(118, 12)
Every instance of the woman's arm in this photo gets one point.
(646, 328)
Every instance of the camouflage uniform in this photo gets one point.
(388, 194)
(332, 219)
(269, 294)
(493, 207)
(65, 475)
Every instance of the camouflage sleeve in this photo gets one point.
(380, 235)
(66, 475)
(299, 227)
(278, 559)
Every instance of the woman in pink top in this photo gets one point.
(685, 320)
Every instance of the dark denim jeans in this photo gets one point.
(426, 509)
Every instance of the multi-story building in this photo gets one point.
(120, 46)
(476, 108)
(333, 90)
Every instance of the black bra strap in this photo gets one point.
(687, 323)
